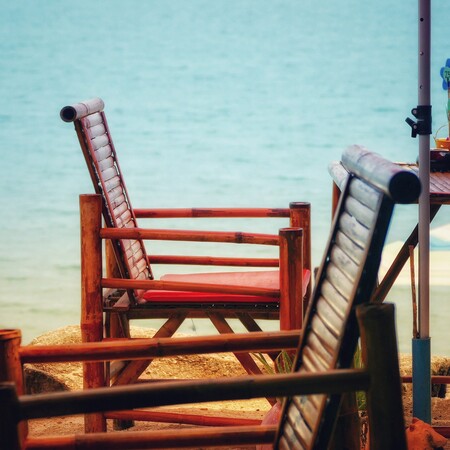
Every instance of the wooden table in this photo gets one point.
(439, 185)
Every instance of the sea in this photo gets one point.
(210, 103)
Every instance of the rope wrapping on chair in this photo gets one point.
(71, 113)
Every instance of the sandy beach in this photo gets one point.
(68, 376)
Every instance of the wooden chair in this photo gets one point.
(348, 272)
(245, 295)
(346, 279)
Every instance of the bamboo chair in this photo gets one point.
(345, 281)
(349, 268)
(245, 295)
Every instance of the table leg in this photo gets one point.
(385, 286)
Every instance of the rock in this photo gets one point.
(65, 335)
(38, 381)
(52, 377)
(440, 365)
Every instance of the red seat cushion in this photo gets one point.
(263, 279)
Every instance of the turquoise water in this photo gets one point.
(221, 102)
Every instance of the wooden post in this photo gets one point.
(111, 267)
(244, 358)
(9, 412)
(291, 278)
(380, 355)
(300, 217)
(11, 367)
(336, 193)
(91, 297)
(116, 325)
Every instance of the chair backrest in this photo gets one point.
(346, 278)
(101, 158)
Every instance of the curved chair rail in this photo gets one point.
(400, 184)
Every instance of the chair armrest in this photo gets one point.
(189, 235)
(112, 348)
(122, 283)
(213, 261)
(165, 213)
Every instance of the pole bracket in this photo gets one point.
(423, 124)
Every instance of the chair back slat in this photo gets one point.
(285, 445)
(354, 230)
(346, 264)
(330, 318)
(99, 152)
(326, 337)
(318, 347)
(362, 213)
(334, 298)
(351, 248)
(364, 193)
(346, 278)
(309, 409)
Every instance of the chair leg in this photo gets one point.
(116, 326)
(248, 321)
(300, 217)
(9, 431)
(119, 326)
(291, 278)
(91, 321)
(347, 431)
(384, 398)
(244, 358)
(134, 369)
(250, 324)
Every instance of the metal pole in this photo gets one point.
(421, 346)
(424, 171)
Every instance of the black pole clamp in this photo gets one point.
(423, 125)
